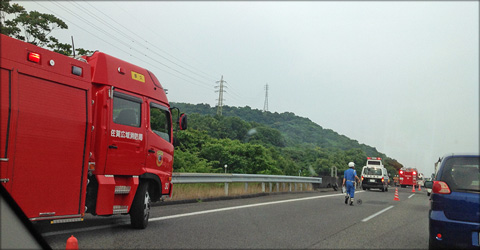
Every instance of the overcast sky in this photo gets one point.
(402, 77)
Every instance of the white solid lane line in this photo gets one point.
(377, 213)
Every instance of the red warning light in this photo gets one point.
(34, 57)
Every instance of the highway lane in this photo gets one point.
(317, 220)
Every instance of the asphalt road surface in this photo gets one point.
(313, 220)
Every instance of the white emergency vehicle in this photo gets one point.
(374, 174)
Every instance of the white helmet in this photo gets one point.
(351, 164)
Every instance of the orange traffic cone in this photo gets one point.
(396, 195)
(72, 243)
(413, 188)
(419, 187)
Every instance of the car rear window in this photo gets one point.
(462, 174)
(373, 171)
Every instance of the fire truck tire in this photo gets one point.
(140, 211)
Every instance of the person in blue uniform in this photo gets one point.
(349, 178)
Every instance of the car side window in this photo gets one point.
(160, 121)
(126, 110)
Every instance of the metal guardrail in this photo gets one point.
(230, 178)
(190, 178)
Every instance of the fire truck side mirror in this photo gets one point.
(183, 122)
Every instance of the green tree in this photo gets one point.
(33, 27)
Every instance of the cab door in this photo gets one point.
(159, 144)
(126, 136)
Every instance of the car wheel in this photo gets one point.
(140, 211)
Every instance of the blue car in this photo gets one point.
(454, 216)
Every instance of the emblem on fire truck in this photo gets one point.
(159, 158)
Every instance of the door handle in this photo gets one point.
(151, 151)
(112, 146)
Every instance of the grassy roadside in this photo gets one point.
(211, 190)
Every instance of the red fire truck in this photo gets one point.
(408, 177)
(92, 134)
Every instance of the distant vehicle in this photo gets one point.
(429, 190)
(454, 218)
(420, 179)
(408, 177)
(374, 175)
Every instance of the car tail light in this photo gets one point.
(440, 187)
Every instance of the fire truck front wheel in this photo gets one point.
(140, 211)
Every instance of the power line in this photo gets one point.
(156, 34)
(136, 43)
(102, 23)
(134, 40)
(90, 24)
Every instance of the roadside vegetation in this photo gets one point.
(250, 141)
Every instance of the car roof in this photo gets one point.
(460, 154)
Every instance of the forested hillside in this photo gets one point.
(256, 142)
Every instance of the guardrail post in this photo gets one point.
(263, 187)
(226, 188)
(270, 187)
(246, 187)
(290, 187)
(301, 186)
(295, 187)
(311, 186)
(278, 187)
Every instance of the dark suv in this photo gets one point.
(454, 216)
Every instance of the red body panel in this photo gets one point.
(46, 120)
